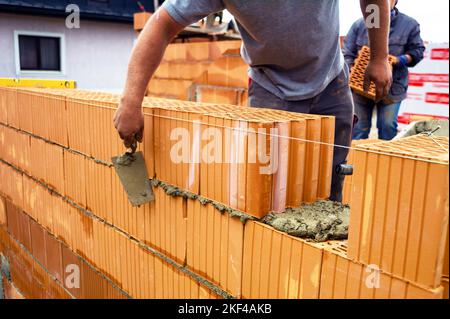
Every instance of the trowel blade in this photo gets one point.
(134, 178)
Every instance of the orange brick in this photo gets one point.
(214, 246)
(75, 177)
(299, 265)
(392, 199)
(140, 19)
(2, 212)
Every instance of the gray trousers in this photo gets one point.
(335, 100)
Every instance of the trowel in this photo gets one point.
(133, 175)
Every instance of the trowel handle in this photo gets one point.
(132, 149)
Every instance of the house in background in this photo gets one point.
(35, 42)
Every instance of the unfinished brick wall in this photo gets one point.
(182, 245)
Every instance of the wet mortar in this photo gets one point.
(177, 192)
(321, 221)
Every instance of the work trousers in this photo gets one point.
(387, 115)
(335, 100)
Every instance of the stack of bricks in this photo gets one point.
(225, 81)
(182, 64)
(201, 71)
(399, 216)
(358, 72)
(62, 206)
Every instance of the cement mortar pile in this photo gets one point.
(320, 221)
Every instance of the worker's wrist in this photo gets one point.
(379, 57)
(403, 60)
(130, 101)
(379, 60)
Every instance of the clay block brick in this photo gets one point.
(24, 111)
(215, 246)
(3, 220)
(3, 107)
(217, 95)
(416, 292)
(358, 71)
(98, 179)
(347, 192)
(228, 71)
(343, 278)
(12, 110)
(12, 213)
(78, 126)
(39, 111)
(392, 204)
(166, 225)
(53, 253)
(75, 177)
(57, 118)
(23, 143)
(10, 151)
(72, 271)
(259, 173)
(38, 165)
(16, 188)
(278, 266)
(24, 230)
(38, 242)
(326, 157)
(444, 284)
(148, 143)
(140, 19)
(197, 51)
(54, 168)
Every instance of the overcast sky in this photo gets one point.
(432, 15)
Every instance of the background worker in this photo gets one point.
(406, 44)
(295, 59)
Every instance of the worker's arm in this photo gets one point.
(415, 48)
(145, 59)
(378, 71)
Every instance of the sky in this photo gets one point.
(433, 16)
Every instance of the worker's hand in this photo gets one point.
(129, 122)
(380, 73)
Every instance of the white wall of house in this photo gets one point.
(95, 56)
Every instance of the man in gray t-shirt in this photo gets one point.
(292, 48)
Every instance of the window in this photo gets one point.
(37, 53)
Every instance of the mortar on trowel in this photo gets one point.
(133, 175)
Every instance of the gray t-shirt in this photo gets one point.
(292, 46)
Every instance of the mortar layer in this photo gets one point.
(321, 221)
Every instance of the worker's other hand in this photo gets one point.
(129, 123)
(403, 60)
(380, 73)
